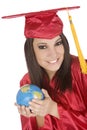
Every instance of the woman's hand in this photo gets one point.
(40, 107)
(25, 111)
(44, 107)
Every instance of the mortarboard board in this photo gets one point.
(47, 24)
(43, 24)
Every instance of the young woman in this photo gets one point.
(56, 72)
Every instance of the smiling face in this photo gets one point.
(49, 53)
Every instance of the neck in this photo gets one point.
(50, 74)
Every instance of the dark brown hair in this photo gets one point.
(36, 72)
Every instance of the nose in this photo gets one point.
(53, 53)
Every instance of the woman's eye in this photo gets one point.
(42, 47)
(58, 43)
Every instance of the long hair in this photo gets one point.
(64, 73)
(36, 72)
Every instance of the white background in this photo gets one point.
(12, 61)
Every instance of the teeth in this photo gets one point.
(54, 61)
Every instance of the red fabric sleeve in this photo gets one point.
(29, 123)
(25, 80)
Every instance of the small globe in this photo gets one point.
(28, 92)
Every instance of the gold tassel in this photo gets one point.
(83, 63)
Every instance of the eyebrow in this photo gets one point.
(57, 40)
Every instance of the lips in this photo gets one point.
(53, 61)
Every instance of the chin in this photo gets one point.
(54, 69)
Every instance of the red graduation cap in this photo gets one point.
(43, 24)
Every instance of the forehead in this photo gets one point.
(40, 40)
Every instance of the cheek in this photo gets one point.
(40, 57)
(60, 50)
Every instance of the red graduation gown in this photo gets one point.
(72, 106)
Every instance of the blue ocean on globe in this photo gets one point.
(28, 92)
